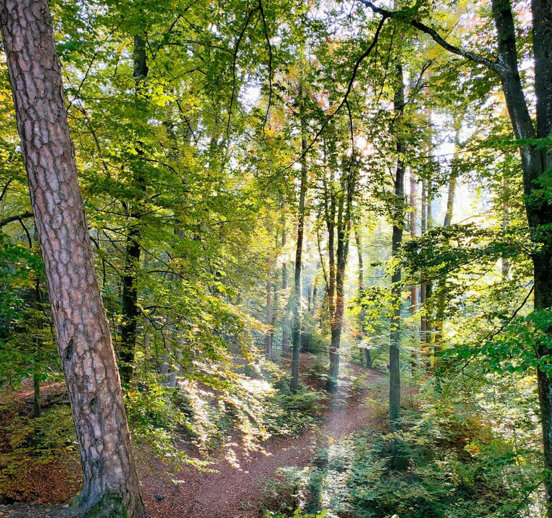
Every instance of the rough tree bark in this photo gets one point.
(110, 483)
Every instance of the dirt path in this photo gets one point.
(238, 492)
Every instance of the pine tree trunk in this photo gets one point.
(83, 335)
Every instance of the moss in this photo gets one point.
(109, 506)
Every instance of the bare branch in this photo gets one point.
(17, 217)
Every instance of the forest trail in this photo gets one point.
(233, 491)
(237, 492)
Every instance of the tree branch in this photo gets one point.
(17, 217)
(437, 38)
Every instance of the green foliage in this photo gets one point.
(457, 467)
(293, 414)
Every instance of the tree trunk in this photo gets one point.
(339, 304)
(441, 294)
(423, 287)
(412, 201)
(414, 287)
(269, 318)
(37, 409)
(535, 162)
(296, 313)
(84, 342)
(362, 316)
(285, 337)
(398, 225)
(129, 304)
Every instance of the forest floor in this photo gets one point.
(236, 489)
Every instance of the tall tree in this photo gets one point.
(130, 311)
(296, 307)
(365, 351)
(339, 192)
(110, 482)
(441, 291)
(536, 160)
(398, 226)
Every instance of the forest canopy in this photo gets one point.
(276, 258)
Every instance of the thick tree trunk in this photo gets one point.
(535, 162)
(296, 312)
(130, 311)
(83, 335)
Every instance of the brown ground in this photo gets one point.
(232, 492)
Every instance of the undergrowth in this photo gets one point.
(457, 467)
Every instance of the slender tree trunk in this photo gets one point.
(505, 270)
(314, 294)
(130, 311)
(423, 286)
(441, 294)
(362, 316)
(296, 313)
(414, 287)
(37, 410)
(339, 304)
(269, 317)
(398, 225)
(285, 337)
(412, 201)
(83, 336)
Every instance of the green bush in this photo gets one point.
(455, 467)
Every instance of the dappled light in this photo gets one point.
(275, 259)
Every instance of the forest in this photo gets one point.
(276, 258)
